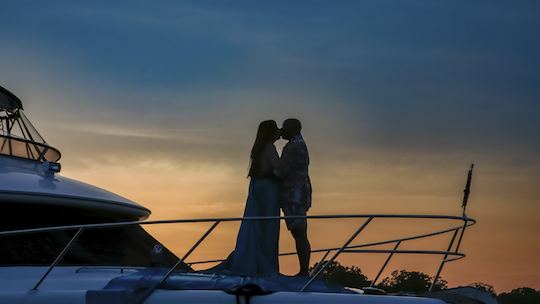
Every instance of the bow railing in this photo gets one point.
(452, 253)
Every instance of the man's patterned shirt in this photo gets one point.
(296, 186)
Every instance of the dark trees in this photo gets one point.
(523, 295)
(410, 282)
(345, 276)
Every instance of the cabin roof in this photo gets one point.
(27, 181)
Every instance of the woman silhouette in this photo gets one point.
(256, 250)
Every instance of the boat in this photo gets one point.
(65, 241)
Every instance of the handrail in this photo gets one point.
(441, 252)
(471, 222)
(345, 248)
(43, 150)
(233, 219)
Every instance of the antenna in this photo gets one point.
(467, 189)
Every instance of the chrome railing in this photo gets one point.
(452, 252)
(24, 148)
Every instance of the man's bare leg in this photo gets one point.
(303, 248)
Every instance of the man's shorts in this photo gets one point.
(295, 210)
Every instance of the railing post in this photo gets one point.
(58, 258)
(197, 243)
(443, 260)
(461, 234)
(320, 262)
(168, 274)
(385, 264)
(355, 234)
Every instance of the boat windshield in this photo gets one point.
(19, 138)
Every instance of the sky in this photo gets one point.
(159, 102)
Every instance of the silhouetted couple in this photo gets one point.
(275, 183)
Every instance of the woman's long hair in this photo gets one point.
(266, 134)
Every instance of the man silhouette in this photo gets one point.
(296, 189)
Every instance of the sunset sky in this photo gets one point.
(159, 101)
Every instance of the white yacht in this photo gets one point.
(64, 241)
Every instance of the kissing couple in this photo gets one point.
(275, 183)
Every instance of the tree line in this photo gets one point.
(403, 281)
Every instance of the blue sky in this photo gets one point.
(397, 99)
(463, 73)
